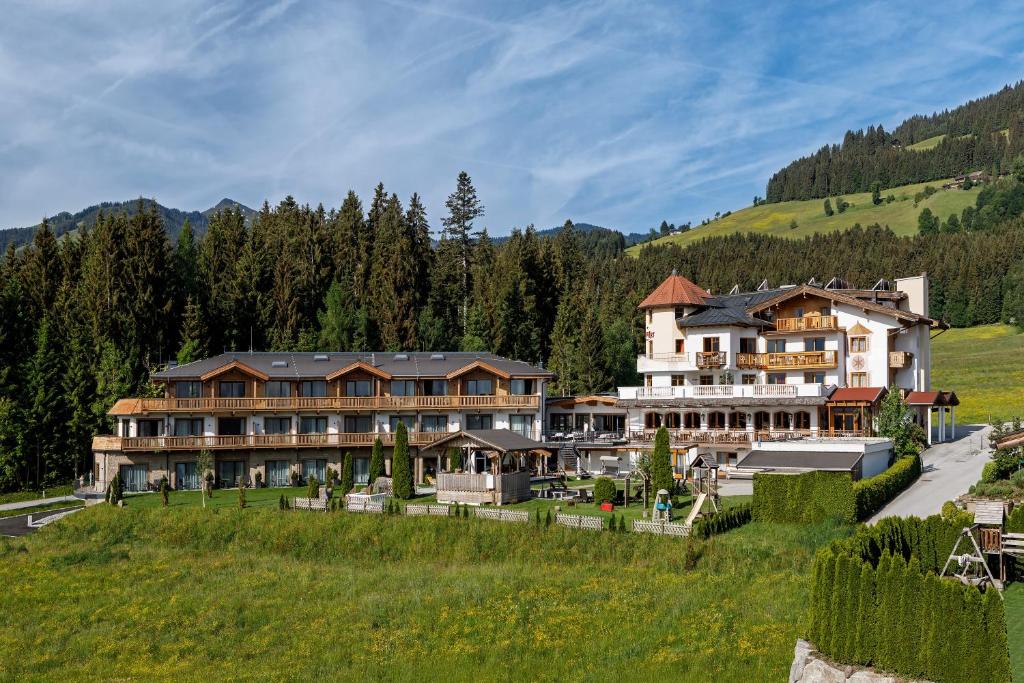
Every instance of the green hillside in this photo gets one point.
(926, 144)
(981, 365)
(776, 219)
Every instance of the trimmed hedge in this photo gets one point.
(604, 489)
(722, 521)
(877, 600)
(872, 494)
(803, 498)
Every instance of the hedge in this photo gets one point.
(722, 521)
(872, 494)
(604, 489)
(877, 600)
(803, 498)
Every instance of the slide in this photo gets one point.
(695, 509)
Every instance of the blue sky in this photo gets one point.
(615, 113)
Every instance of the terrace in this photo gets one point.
(335, 403)
(711, 391)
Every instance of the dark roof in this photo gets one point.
(858, 394)
(500, 440)
(287, 365)
(802, 460)
(720, 316)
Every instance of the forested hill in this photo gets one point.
(172, 219)
(983, 134)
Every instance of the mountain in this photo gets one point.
(68, 223)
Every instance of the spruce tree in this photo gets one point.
(463, 209)
(47, 413)
(661, 463)
(393, 281)
(401, 465)
(192, 335)
(376, 460)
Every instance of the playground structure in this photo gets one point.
(705, 486)
(661, 511)
(984, 539)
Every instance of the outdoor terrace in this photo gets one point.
(698, 391)
(335, 403)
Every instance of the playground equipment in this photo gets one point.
(972, 567)
(662, 509)
(705, 485)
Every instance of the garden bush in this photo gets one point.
(604, 489)
(347, 474)
(722, 521)
(803, 498)
(873, 493)
(313, 489)
(877, 600)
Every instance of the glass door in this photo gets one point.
(133, 477)
(185, 477)
(229, 473)
(277, 473)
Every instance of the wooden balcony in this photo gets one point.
(808, 323)
(334, 403)
(711, 359)
(900, 359)
(797, 360)
(247, 441)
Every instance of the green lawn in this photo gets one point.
(257, 594)
(19, 496)
(1015, 628)
(775, 219)
(41, 508)
(981, 364)
(927, 143)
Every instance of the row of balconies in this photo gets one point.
(244, 441)
(728, 391)
(329, 403)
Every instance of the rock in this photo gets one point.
(870, 677)
(818, 671)
(800, 655)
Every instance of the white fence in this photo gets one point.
(434, 510)
(590, 522)
(503, 515)
(660, 528)
(358, 502)
(317, 504)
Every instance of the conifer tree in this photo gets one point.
(866, 624)
(192, 334)
(376, 460)
(46, 414)
(463, 209)
(347, 474)
(393, 281)
(996, 659)
(41, 271)
(401, 465)
(661, 464)
(342, 326)
(454, 459)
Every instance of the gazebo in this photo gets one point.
(497, 464)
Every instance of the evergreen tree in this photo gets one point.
(876, 193)
(393, 281)
(996, 658)
(864, 648)
(463, 209)
(47, 413)
(828, 207)
(454, 459)
(347, 474)
(401, 465)
(192, 335)
(376, 461)
(927, 222)
(661, 463)
(342, 326)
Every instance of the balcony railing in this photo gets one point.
(900, 359)
(808, 323)
(329, 403)
(798, 360)
(711, 359)
(712, 391)
(243, 441)
(664, 361)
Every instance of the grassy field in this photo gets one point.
(1015, 628)
(775, 219)
(927, 143)
(260, 594)
(981, 365)
(41, 508)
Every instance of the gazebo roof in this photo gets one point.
(499, 440)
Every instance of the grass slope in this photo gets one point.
(259, 594)
(775, 219)
(981, 364)
(927, 143)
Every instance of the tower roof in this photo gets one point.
(676, 290)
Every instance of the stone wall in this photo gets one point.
(811, 667)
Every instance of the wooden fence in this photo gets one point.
(590, 522)
(503, 515)
(433, 510)
(660, 528)
(318, 504)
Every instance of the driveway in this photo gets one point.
(18, 526)
(949, 470)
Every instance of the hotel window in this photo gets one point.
(776, 346)
(358, 424)
(314, 468)
(825, 310)
(521, 424)
(716, 420)
(802, 420)
(748, 345)
(814, 378)
(521, 387)
(680, 346)
(231, 426)
(435, 387)
(408, 420)
(748, 378)
(403, 387)
(313, 424)
(149, 427)
(858, 344)
(648, 380)
(188, 426)
(678, 380)
(313, 388)
(434, 423)
(858, 379)
(277, 425)
(776, 378)
(712, 344)
(185, 477)
(561, 421)
(814, 344)
(361, 470)
(798, 312)
(479, 387)
(278, 473)
(231, 389)
(278, 389)
(359, 387)
(188, 389)
(479, 422)
(706, 380)
(126, 427)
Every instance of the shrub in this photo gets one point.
(661, 463)
(872, 494)
(282, 504)
(259, 479)
(722, 521)
(241, 496)
(401, 465)
(163, 491)
(803, 498)
(331, 475)
(604, 489)
(547, 519)
(295, 478)
(989, 473)
(347, 474)
(465, 512)
(376, 460)
(454, 459)
(313, 489)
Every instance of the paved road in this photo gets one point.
(18, 526)
(35, 503)
(949, 470)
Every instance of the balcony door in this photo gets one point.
(133, 477)
(230, 473)
(278, 474)
(712, 344)
(185, 476)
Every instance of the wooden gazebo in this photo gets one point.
(496, 463)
